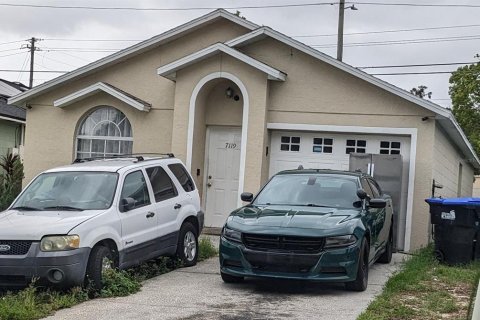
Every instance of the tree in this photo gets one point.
(10, 179)
(465, 94)
(421, 92)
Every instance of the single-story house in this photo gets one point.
(12, 119)
(237, 102)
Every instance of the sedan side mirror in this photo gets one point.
(361, 194)
(377, 203)
(127, 204)
(247, 197)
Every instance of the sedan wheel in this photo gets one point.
(361, 282)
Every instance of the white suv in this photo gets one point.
(73, 222)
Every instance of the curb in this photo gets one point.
(476, 306)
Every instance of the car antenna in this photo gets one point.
(300, 167)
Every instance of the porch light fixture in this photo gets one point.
(229, 93)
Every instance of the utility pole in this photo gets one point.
(341, 14)
(32, 48)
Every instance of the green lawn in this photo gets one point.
(36, 303)
(426, 290)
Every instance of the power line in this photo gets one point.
(93, 40)
(418, 65)
(388, 31)
(401, 41)
(6, 50)
(241, 7)
(43, 71)
(168, 9)
(410, 73)
(11, 54)
(406, 4)
(10, 42)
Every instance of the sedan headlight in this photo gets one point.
(232, 235)
(60, 243)
(340, 241)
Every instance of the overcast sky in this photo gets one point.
(457, 44)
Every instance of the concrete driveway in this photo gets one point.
(199, 293)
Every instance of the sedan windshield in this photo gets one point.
(69, 191)
(319, 190)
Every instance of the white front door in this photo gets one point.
(223, 167)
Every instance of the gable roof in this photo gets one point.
(11, 112)
(9, 88)
(169, 70)
(444, 117)
(81, 94)
(136, 49)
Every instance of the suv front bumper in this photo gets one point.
(60, 268)
(332, 265)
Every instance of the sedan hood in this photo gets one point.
(289, 219)
(33, 225)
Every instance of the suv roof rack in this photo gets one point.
(137, 156)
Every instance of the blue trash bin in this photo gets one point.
(456, 229)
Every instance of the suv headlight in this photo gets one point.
(340, 241)
(60, 243)
(232, 235)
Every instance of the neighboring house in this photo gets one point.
(12, 118)
(237, 102)
(476, 187)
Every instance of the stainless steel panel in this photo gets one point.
(387, 171)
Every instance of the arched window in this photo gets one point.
(104, 132)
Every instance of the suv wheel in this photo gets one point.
(360, 284)
(386, 257)
(230, 279)
(101, 259)
(187, 247)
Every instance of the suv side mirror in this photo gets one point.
(127, 204)
(361, 194)
(377, 203)
(247, 197)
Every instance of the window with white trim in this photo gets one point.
(390, 147)
(104, 132)
(322, 145)
(357, 146)
(288, 143)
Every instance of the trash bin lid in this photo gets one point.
(455, 201)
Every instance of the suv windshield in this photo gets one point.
(74, 191)
(323, 190)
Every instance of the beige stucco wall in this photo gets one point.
(256, 84)
(447, 159)
(476, 187)
(51, 131)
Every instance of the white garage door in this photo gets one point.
(323, 150)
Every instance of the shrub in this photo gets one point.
(10, 179)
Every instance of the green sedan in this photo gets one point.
(319, 225)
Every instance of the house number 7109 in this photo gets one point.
(229, 145)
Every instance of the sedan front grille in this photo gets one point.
(14, 247)
(294, 244)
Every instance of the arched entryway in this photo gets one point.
(216, 144)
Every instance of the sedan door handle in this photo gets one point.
(150, 215)
(177, 206)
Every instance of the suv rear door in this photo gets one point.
(166, 205)
(139, 224)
